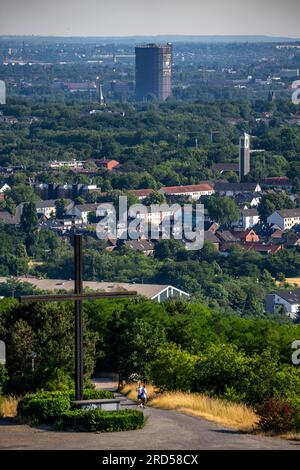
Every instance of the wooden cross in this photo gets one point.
(78, 297)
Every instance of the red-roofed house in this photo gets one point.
(106, 163)
(282, 182)
(193, 191)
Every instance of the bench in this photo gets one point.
(106, 404)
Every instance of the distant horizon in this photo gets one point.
(159, 36)
(130, 18)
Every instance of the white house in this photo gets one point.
(289, 299)
(4, 187)
(75, 164)
(193, 191)
(83, 210)
(250, 217)
(285, 219)
(48, 208)
(154, 217)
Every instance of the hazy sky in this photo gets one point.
(150, 17)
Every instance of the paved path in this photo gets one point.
(163, 430)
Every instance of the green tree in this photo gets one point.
(173, 368)
(60, 206)
(154, 198)
(29, 218)
(222, 209)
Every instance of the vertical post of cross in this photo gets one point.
(78, 268)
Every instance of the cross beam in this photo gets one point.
(84, 296)
(78, 297)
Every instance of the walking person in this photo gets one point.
(143, 396)
(139, 392)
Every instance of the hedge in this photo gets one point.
(43, 407)
(99, 420)
(90, 394)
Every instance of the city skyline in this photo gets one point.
(140, 17)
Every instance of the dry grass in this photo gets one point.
(293, 281)
(8, 407)
(235, 416)
(232, 415)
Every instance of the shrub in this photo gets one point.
(277, 415)
(42, 407)
(3, 376)
(177, 366)
(57, 380)
(91, 394)
(100, 420)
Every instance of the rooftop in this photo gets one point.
(287, 213)
(50, 203)
(226, 186)
(292, 297)
(188, 188)
(147, 290)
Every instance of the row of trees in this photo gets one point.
(177, 345)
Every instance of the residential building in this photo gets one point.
(74, 164)
(143, 246)
(246, 200)
(285, 219)
(8, 219)
(244, 156)
(194, 191)
(262, 248)
(4, 187)
(289, 299)
(250, 217)
(153, 75)
(48, 208)
(60, 226)
(226, 236)
(231, 189)
(281, 182)
(155, 218)
(83, 210)
(106, 163)
(81, 86)
(249, 236)
(211, 238)
(141, 193)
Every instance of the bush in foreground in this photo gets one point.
(55, 408)
(42, 407)
(99, 420)
(278, 416)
